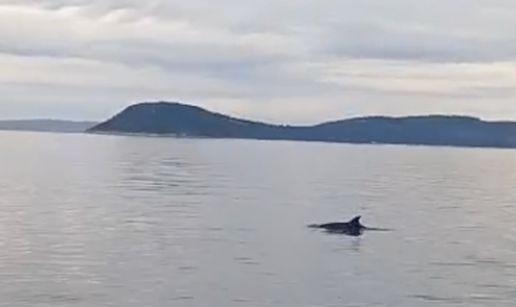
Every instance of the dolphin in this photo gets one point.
(351, 228)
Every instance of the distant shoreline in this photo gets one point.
(143, 135)
(46, 125)
(182, 121)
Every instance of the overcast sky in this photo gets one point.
(295, 61)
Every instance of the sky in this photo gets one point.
(282, 61)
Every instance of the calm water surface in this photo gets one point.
(127, 221)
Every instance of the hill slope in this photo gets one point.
(186, 120)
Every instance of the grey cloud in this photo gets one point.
(216, 61)
(440, 31)
(199, 58)
(265, 50)
(378, 43)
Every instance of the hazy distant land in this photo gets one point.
(46, 125)
(170, 118)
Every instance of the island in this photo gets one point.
(183, 120)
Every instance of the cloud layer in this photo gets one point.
(284, 60)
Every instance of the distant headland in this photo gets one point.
(183, 120)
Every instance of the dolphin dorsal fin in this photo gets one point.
(355, 220)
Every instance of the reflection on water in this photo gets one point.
(127, 221)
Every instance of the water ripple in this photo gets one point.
(120, 221)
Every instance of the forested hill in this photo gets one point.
(170, 118)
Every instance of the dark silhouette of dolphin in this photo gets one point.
(351, 228)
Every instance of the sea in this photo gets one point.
(129, 221)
